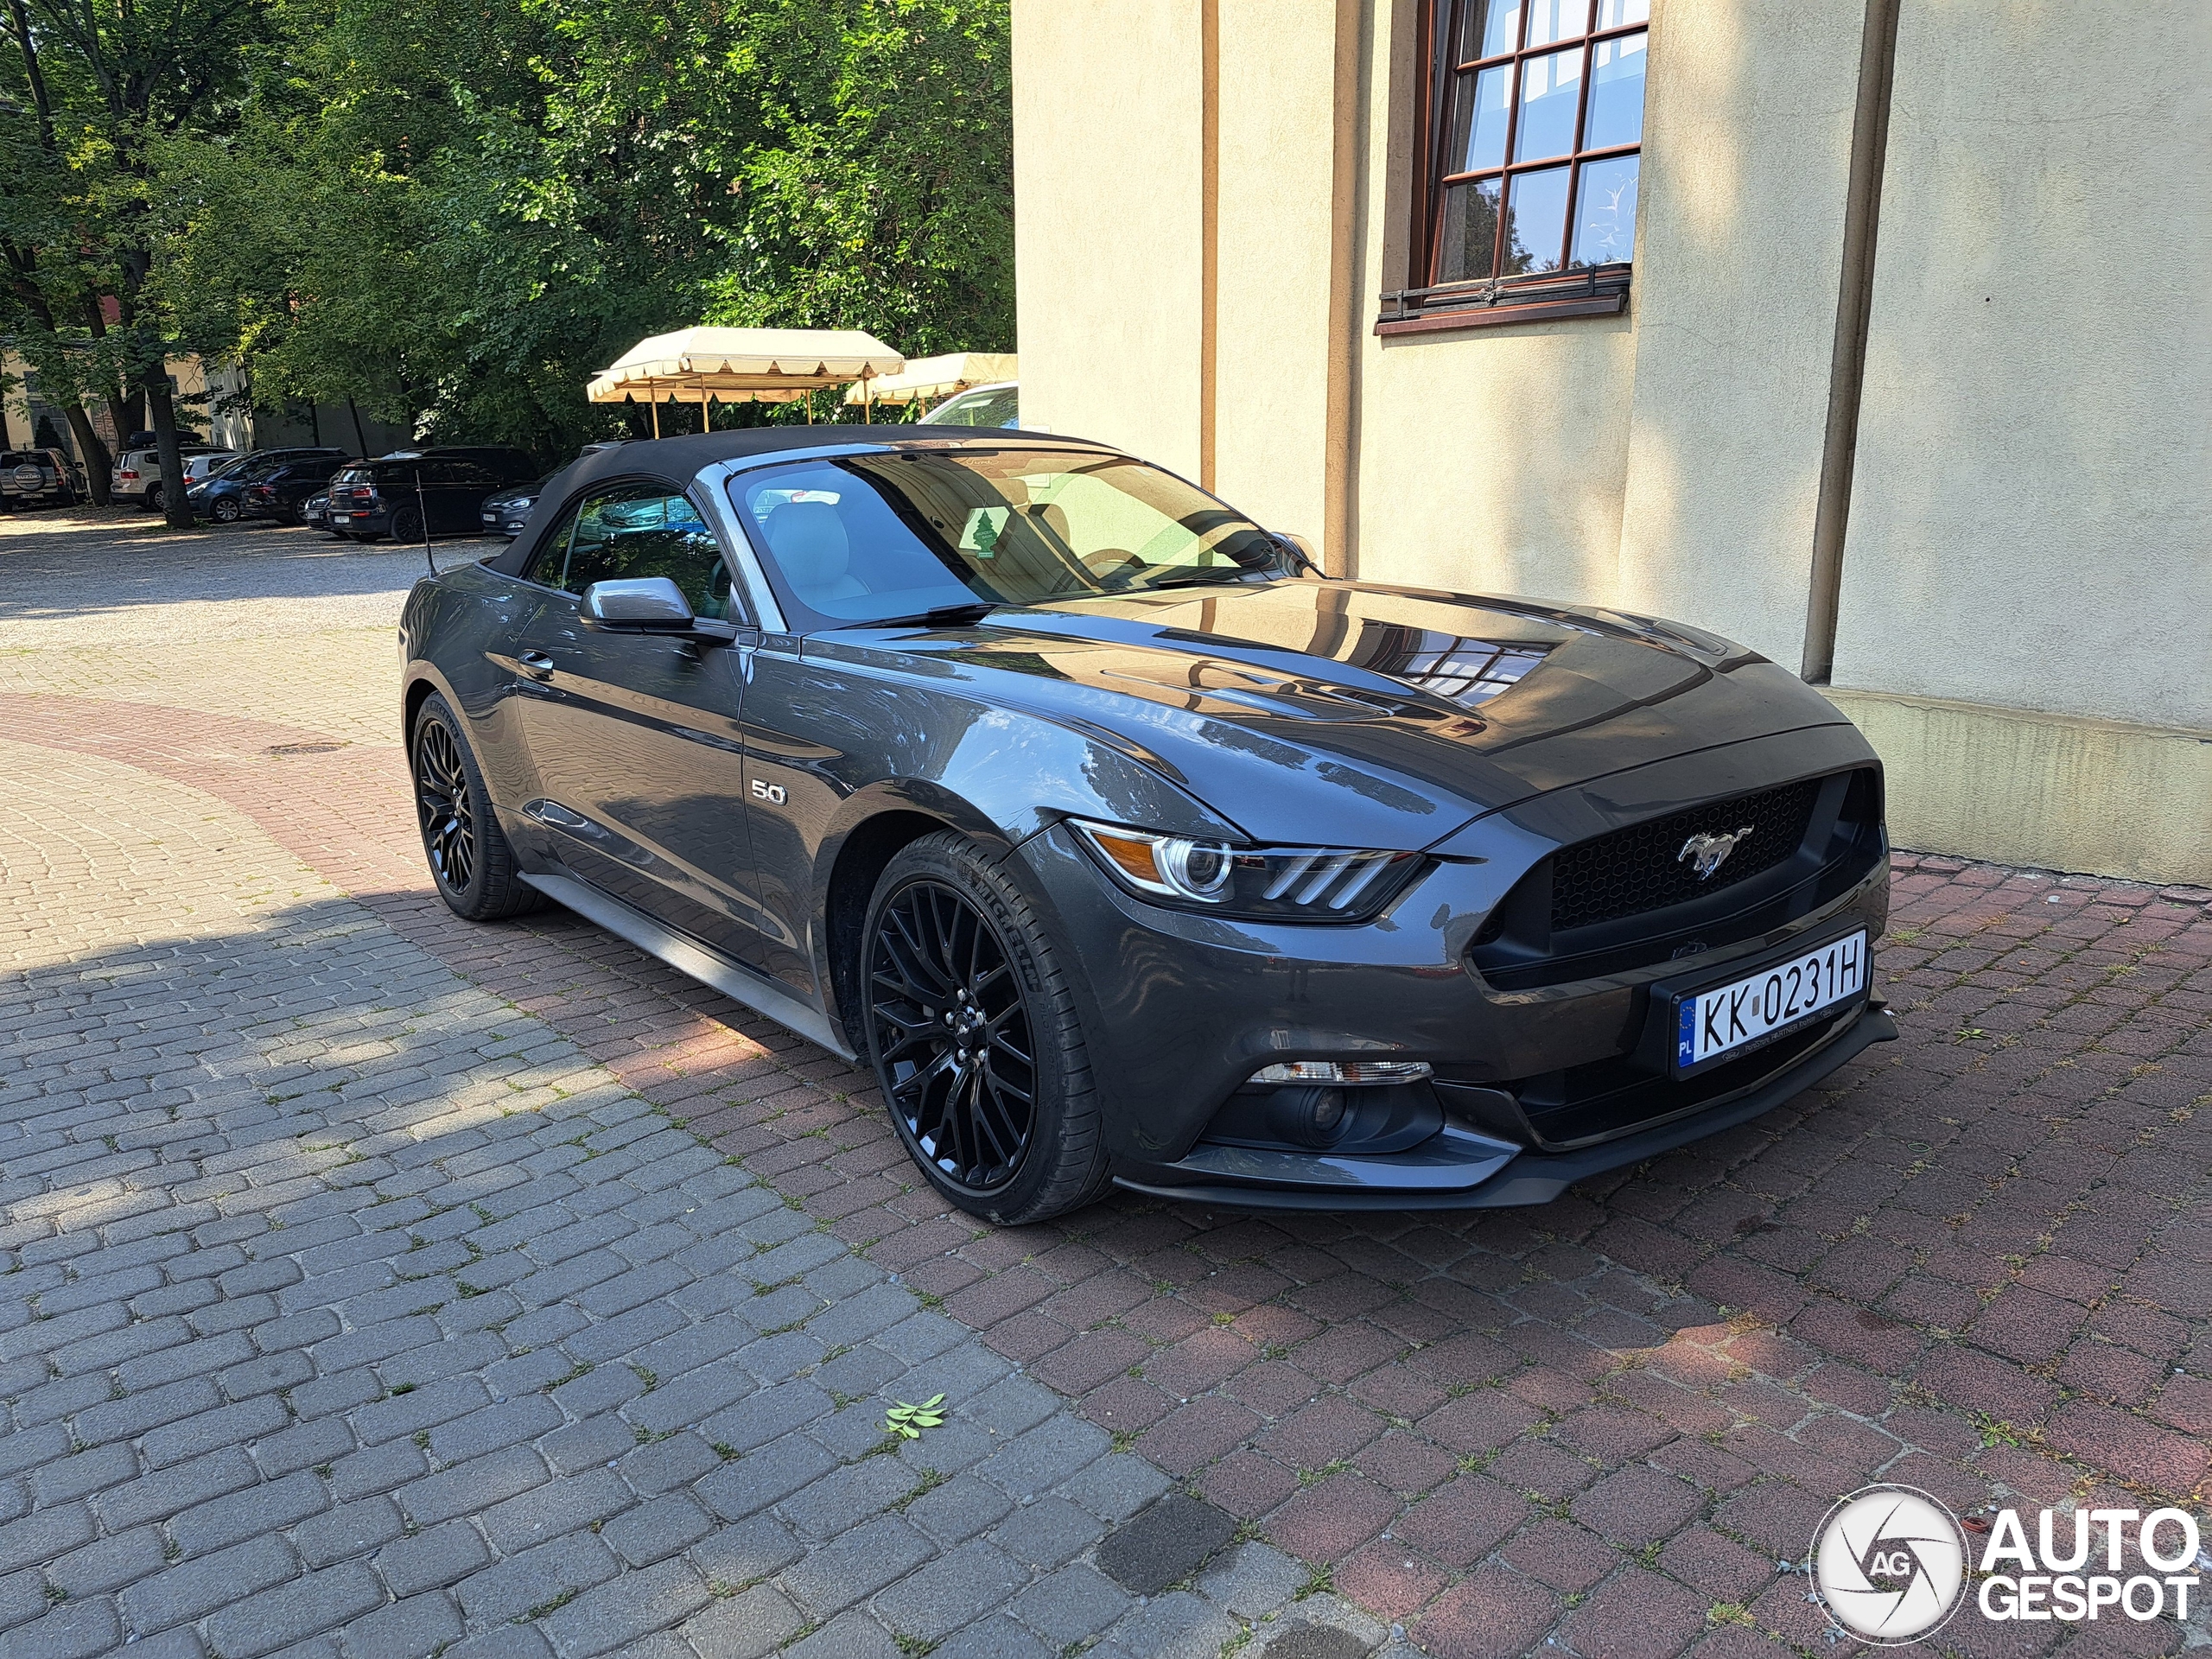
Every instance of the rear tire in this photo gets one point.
(975, 1038)
(407, 525)
(469, 856)
(153, 502)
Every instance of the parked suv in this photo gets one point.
(504, 462)
(137, 475)
(226, 494)
(392, 496)
(281, 492)
(998, 405)
(37, 478)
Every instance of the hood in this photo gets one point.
(1334, 712)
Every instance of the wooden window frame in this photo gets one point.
(1570, 291)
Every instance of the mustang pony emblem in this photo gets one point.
(1709, 852)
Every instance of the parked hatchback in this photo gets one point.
(506, 512)
(402, 496)
(37, 478)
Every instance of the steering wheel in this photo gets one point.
(1108, 562)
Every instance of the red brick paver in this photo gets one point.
(1976, 1259)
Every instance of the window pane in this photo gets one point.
(1536, 218)
(632, 533)
(1616, 93)
(1469, 245)
(1557, 20)
(1605, 211)
(1612, 14)
(1488, 28)
(1478, 124)
(1551, 93)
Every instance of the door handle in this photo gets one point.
(537, 665)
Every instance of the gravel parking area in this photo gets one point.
(377, 1282)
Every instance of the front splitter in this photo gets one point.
(1540, 1177)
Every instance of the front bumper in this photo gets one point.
(1180, 1008)
(1511, 1175)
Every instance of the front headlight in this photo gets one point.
(1305, 884)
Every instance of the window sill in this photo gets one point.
(1593, 291)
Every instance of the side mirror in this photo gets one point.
(648, 604)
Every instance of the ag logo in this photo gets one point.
(1890, 1561)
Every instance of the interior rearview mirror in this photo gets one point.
(646, 605)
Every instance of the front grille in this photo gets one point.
(1641, 869)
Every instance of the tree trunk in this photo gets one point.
(161, 404)
(98, 464)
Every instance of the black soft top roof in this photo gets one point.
(678, 461)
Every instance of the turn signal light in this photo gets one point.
(1344, 1074)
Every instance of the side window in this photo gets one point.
(635, 530)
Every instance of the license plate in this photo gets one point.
(1749, 1013)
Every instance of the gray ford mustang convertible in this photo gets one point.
(1124, 846)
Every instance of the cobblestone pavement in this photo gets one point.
(1976, 1260)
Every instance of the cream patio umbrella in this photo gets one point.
(765, 365)
(927, 377)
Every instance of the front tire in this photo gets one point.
(975, 1038)
(469, 855)
(223, 511)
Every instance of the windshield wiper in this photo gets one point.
(1219, 575)
(941, 616)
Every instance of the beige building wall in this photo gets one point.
(1109, 221)
(2029, 561)
(2026, 627)
(1490, 460)
(1278, 239)
(1738, 262)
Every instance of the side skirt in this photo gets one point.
(733, 979)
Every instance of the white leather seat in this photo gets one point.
(811, 547)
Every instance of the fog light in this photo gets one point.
(1343, 1073)
(1325, 1113)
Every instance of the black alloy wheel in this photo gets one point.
(441, 803)
(406, 524)
(953, 1034)
(468, 853)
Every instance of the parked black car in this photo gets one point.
(506, 512)
(282, 491)
(393, 497)
(226, 495)
(508, 464)
(1125, 846)
(38, 478)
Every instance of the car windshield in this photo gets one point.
(864, 538)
